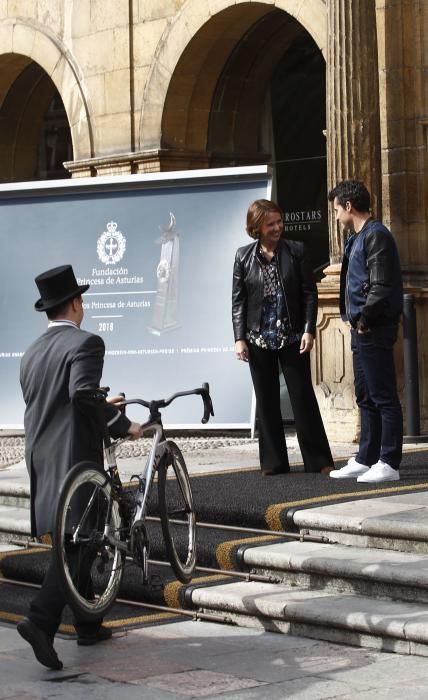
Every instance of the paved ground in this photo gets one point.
(205, 660)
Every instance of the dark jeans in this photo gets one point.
(377, 398)
(309, 426)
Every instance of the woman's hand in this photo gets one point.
(241, 350)
(306, 343)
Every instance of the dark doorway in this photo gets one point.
(35, 137)
(55, 146)
(297, 93)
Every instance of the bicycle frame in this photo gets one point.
(154, 458)
(146, 477)
(114, 521)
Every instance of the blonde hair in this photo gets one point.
(257, 212)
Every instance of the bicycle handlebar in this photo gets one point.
(99, 395)
(208, 404)
(154, 405)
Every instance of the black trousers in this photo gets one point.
(309, 426)
(47, 607)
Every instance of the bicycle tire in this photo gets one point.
(90, 568)
(176, 504)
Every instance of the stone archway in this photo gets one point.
(35, 137)
(239, 95)
(202, 37)
(22, 43)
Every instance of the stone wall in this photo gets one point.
(137, 78)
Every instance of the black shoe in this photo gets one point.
(101, 635)
(41, 643)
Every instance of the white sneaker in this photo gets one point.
(380, 472)
(350, 470)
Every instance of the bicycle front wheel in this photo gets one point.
(90, 566)
(177, 514)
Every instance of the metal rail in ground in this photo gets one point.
(194, 614)
(249, 530)
(246, 576)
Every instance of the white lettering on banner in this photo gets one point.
(109, 272)
(92, 281)
(312, 217)
(118, 275)
(105, 326)
(169, 351)
(301, 220)
(298, 227)
(138, 304)
(130, 280)
(103, 304)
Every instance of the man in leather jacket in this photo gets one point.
(371, 294)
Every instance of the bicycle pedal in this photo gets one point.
(156, 582)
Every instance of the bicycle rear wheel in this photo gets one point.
(90, 567)
(177, 514)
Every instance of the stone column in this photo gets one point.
(353, 152)
(353, 125)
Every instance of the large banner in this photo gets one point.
(157, 251)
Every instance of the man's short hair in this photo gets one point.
(352, 191)
(59, 311)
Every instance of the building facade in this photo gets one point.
(321, 89)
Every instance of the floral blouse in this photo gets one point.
(275, 332)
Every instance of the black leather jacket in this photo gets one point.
(297, 280)
(371, 288)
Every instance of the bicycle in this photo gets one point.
(99, 523)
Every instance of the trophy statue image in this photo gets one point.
(166, 302)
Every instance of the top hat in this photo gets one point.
(57, 286)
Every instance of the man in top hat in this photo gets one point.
(63, 360)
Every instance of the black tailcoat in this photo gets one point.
(58, 434)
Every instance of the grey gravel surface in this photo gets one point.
(12, 448)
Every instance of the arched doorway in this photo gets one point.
(250, 88)
(35, 137)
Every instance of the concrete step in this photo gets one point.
(14, 523)
(338, 568)
(13, 494)
(349, 619)
(15, 486)
(398, 523)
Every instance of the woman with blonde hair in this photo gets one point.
(274, 308)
